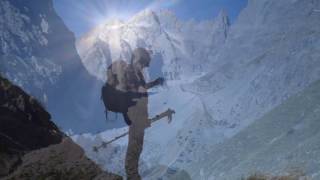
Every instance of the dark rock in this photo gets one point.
(24, 126)
(62, 161)
(32, 146)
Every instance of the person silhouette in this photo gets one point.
(137, 113)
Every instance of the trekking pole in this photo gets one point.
(168, 113)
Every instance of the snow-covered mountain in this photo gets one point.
(181, 48)
(37, 52)
(270, 54)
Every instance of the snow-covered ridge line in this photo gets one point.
(181, 47)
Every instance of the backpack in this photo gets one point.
(114, 93)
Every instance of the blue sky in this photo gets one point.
(82, 15)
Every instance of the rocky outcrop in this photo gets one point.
(62, 161)
(32, 146)
(24, 125)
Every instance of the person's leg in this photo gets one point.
(135, 145)
(138, 115)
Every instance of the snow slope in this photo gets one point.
(271, 53)
(285, 139)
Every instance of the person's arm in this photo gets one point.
(158, 81)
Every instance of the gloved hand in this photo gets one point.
(160, 81)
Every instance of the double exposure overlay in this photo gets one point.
(160, 89)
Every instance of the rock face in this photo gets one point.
(23, 112)
(24, 125)
(180, 47)
(37, 52)
(25, 128)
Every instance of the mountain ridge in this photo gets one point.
(162, 33)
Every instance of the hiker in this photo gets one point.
(138, 113)
(128, 91)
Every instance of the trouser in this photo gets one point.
(138, 115)
(135, 146)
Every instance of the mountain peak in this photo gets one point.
(146, 15)
(222, 22)
(223, 13)
(223, 17)
(114, 22)
(167, 13)
(159, 30)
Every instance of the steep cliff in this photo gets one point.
(31, 145)
(38, 53)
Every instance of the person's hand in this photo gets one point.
(160, 81)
